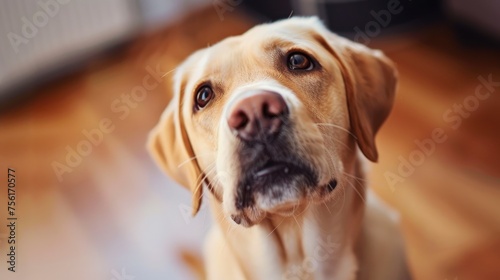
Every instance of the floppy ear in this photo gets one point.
(170, 147)
(370, 80)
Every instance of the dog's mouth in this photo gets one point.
(273, 167)
(280, 170)
(274, 180)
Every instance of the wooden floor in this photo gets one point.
(111, 212)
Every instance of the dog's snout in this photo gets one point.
(257, 116)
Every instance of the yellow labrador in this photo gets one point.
(275, 125)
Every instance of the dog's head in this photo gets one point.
(271, 119)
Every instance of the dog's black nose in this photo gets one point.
(258, 117)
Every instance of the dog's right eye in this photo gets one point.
(203, 96)
(299, 61)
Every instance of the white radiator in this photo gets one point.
(39, 36)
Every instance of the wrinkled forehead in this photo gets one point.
(249, 56)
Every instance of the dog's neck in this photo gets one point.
(317, 241)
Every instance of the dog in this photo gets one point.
(277, 125)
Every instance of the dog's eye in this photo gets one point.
(299, 61)
(204, 95)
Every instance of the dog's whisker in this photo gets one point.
(339, 127)
(341, 143)
(297, 222)
(349, 182)
(327, 208)
(358, 179)
(331, 157)
(200, 184)
(164, 75)
(212, 185)
(275, 228)
(191, 159)
(305, 209)
(208, 174)
(357, 191)
(208, 169)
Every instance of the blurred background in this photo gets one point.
(83, 81)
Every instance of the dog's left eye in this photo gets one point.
(299, 61)
(203, 96)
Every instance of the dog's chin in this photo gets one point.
(293, 203)
(293, 200)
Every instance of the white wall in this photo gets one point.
(157, 12)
